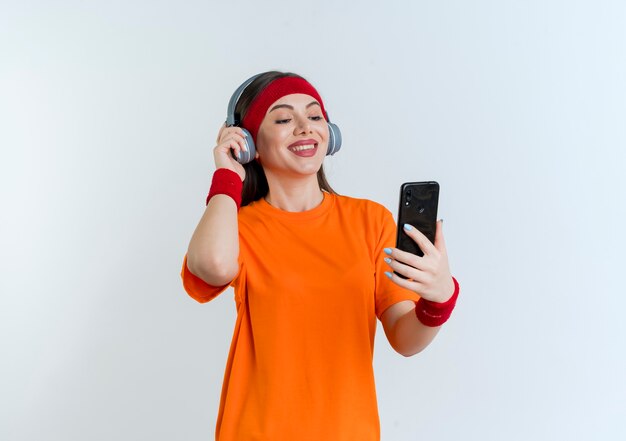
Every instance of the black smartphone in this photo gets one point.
(418, 207)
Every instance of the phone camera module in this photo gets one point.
(407, 201)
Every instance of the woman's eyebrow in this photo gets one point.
(279, 106)
(287, 106)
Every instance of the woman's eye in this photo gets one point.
(316, 118)
(282, 121)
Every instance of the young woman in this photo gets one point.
(311, 271)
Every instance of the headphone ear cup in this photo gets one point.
(334, 139)
(250, 153)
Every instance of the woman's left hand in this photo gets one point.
(429, 276)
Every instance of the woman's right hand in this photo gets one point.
(229, 139)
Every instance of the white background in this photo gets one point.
(108, 115)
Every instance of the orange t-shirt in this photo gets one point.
(309, 289)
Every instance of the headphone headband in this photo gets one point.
(230, 115)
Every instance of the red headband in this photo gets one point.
(273, 92)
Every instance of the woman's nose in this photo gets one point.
(303, 125)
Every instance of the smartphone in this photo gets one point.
(418, 207)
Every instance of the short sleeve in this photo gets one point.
(197, 288)
(387, 292)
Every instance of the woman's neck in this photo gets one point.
(294, 195)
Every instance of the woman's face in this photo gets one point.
(293, 137)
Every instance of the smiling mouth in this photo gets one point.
(301, 148)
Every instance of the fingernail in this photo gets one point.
(387, 250)
(238, 155)
(407, 227)
(387, 260)
(388, 274)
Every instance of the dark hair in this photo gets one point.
(255, 184)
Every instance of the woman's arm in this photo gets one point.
(214, 247)
(406, 334)
(429, 276)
